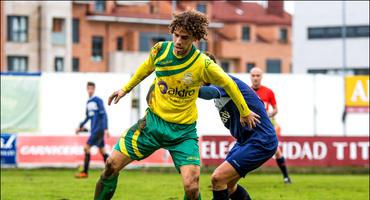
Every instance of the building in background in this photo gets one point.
(36, 36)
(115, 36)
(253, 36)
(318, 45)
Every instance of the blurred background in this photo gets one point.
(315, 55)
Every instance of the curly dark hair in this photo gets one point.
(192, 21)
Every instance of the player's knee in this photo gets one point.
(110, 167)
(216, 179)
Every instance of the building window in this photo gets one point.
(203, 45)
(147, 40)
(17, 63)
(75, 64)
(246, 33)
(336, 32)
(58, 33)
(201, 7)
(17, 28)
(76, 30)
(283, 35)
(153, 9)
(119, 44)
(357, 31)
(59, 64)
(99, 6)
(273, 66)
(225, 66)
(97, 48)
(250, 66)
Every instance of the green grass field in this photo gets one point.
(58, 184)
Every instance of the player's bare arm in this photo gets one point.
(116, 96)
(274, 111)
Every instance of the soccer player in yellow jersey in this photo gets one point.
(170, 121)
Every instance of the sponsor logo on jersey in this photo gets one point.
(163, 87)
(225, 116)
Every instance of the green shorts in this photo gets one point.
(152, 133)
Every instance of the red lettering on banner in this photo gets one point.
(299, 151)
(68, 150)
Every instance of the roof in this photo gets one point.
(246, 12)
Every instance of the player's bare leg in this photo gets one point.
(190, 179)
(280, 160)
(106, 185)
(224, 179)
(104, 154)
(84, 173)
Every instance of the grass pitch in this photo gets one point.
(59, 184)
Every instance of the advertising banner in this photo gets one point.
(298, 151)
(8, 149)
(68, 151)
(357, 94)
(20, 103)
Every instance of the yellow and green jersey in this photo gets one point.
(178, 80)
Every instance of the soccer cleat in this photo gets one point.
(81, 175)
(287, 180)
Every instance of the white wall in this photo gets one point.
(308, 105)
(327, 53)
(126, 62)
(64, 97)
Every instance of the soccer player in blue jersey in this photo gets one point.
(253, 147)
(95, 112)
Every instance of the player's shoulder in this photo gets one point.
(267, 89)
(159, 47)
(205, 60)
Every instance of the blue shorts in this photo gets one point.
(96, 139)
(252, 153)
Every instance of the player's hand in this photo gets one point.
(250, 120)
(116, 96)
(78, 130)
(106, 132)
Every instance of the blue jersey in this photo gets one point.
(95, 112)
(230, 115)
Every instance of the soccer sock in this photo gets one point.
(86, 162)
(282, 166)
(199, 198)
(105, 188)
(240, 194)
(105, 156)
(221, 195)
